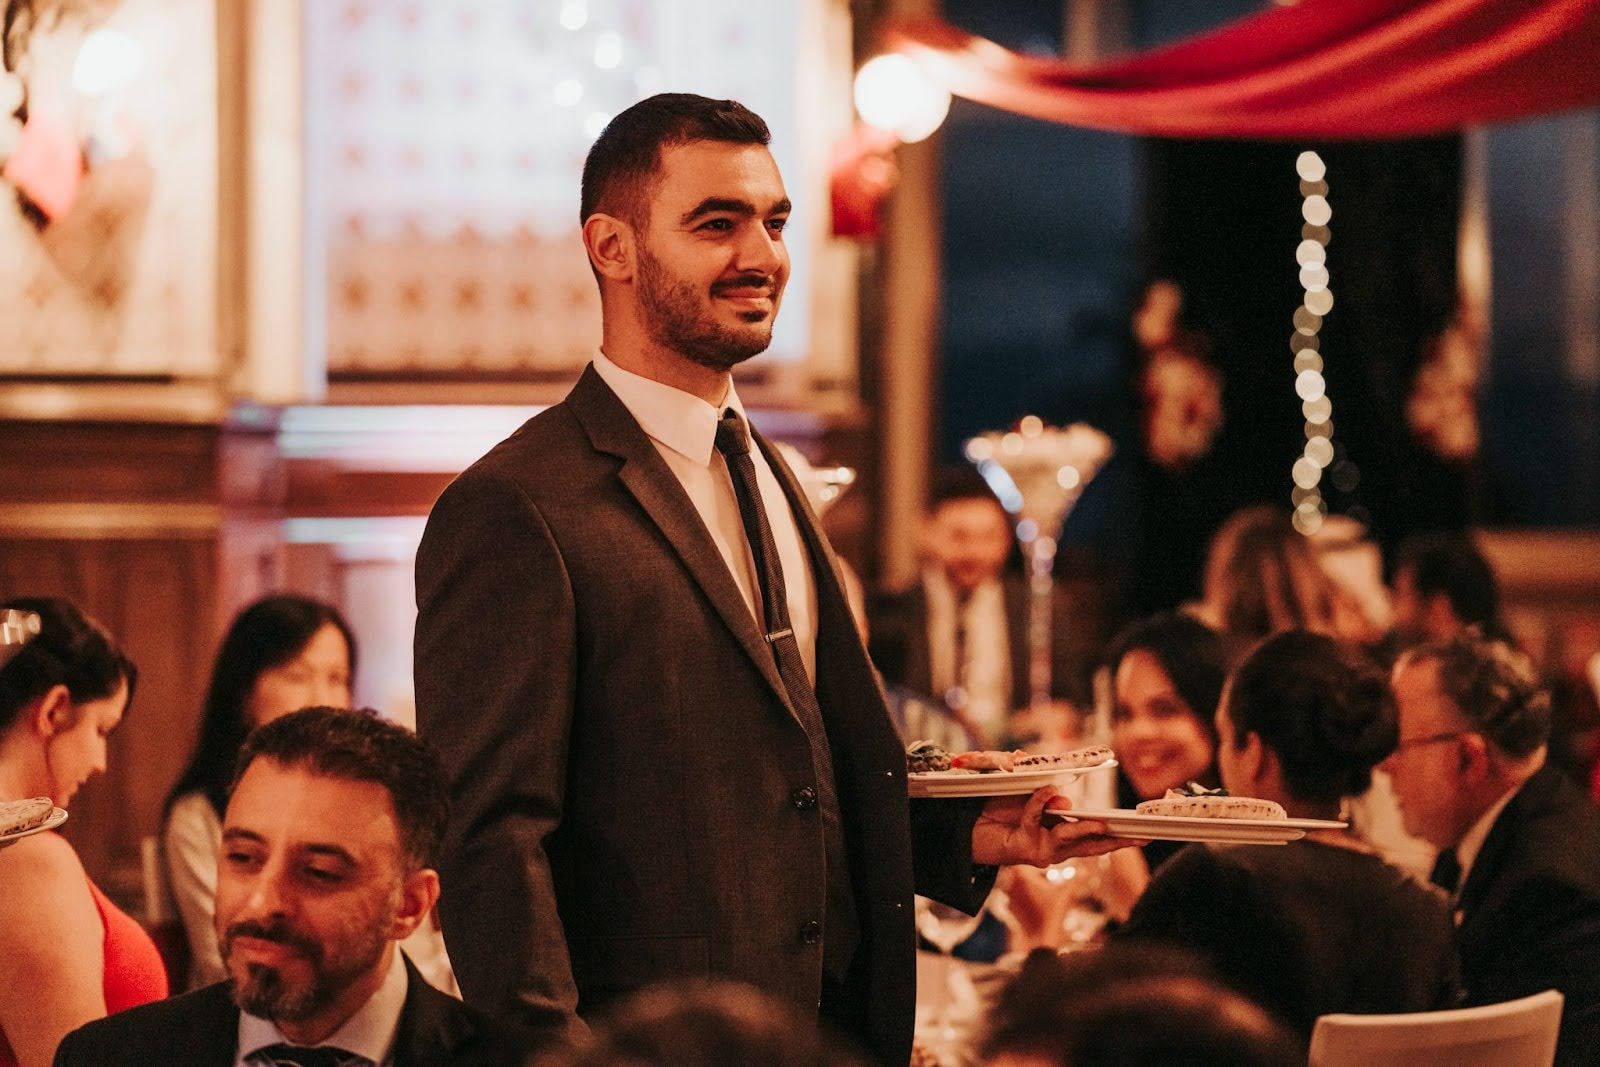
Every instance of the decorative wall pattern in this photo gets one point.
(124, 281)
(444, 147)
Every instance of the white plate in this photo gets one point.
(994, 783)
(1124, 822)
(57, 817)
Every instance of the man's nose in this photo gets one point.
(761, 252)
(266, 897)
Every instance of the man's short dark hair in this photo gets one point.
(1495, 686)
(361, 746)
(626, 157)
(959, 482)
(1452, 564)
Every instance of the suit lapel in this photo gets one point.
(1502, 839)
(612, 430)
(843, 668)
(430, 1032)
(209, 1034)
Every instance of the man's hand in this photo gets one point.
(1012, 830)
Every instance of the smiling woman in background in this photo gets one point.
(67, 954)
(1166, 677)
(281, 654)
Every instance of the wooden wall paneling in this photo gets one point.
(154, 597)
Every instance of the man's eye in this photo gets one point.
(718, 225)
(777, 225)
(323, 875)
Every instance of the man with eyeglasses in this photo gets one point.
(1519, 845)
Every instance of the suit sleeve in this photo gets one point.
(941, 853)
(495, 673)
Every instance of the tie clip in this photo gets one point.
(773, 638)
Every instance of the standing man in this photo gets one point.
(667, 752)
(959, 636)
(326, 846)
(1519, 845)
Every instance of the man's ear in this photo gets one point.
(610, 244)
(53, 713)
(418, 895)
(1256, 759)
(1476, 764)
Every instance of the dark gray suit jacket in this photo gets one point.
(627, 775)
(1530, 909)
(201, 1029)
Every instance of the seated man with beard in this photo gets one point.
(326, 844)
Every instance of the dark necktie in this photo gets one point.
(841, 932)
(283, 1055)
(1446, 871)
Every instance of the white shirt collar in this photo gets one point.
(1471, 842)
(681, 421)
(370, 1032)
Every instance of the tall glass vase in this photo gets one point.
(1039, 472)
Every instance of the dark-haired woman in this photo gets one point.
(1322, 924)
(281, 654)
(1166, 677)
(67, 954)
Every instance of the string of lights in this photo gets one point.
(1312, 254)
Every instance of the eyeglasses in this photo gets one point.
(1430, 739)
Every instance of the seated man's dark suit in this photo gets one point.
(1530, 909)
(899, 642)
(201, 1029)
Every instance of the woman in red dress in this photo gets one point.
(67, 954)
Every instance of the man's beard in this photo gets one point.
(265, 992)
(677, 318)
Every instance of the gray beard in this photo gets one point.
(264, 995)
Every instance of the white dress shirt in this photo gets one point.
(985, 673)
(684, 430)
(370, 1032)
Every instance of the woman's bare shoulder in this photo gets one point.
(42, 881)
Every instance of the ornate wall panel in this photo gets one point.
(444, 145)
(123, 280)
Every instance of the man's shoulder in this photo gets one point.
(1547, 824)
(438, 1028)
(140, 1034)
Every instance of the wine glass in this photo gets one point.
(1081, 882)
(944, 927)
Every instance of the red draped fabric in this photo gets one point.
(1325, 69)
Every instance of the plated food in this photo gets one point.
(1194, 801)
(925, 757)
(20, 816)
(932, 771)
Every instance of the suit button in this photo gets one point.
(811, 933)
(805, 798)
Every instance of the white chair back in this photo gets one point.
(1517, 1033)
